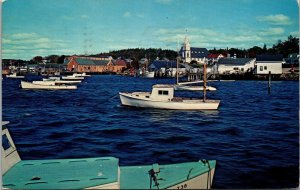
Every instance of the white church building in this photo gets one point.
(189, 54)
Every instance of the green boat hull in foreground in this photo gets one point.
(99, 173)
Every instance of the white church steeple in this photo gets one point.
(186, 53)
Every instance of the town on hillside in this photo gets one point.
(282, 61)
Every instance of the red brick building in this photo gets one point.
(92, 64)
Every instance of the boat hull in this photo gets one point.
(189, 175)
(29, 85)
(129, 99)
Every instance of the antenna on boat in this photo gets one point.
(204, 80)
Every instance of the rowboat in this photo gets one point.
(47, 85)
(98, 172)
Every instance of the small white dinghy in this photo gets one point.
(46, 85)
(98, 172)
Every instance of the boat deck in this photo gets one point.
(137, 177)
(62, 173)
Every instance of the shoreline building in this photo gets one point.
(193, 54)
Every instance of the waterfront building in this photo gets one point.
(93, 64)
(233, 65)
(268, 63)
(193, 54)
(168, 67)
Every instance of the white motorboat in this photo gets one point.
(98, 172)
(46, 85)
(14, 75)
(148, 74)
(71, 77)
(81, 75)
(58, 81)
(162, 97)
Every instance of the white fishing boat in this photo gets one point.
(98, 172)
(145, 73)
(14, 75)
(46, 85)
(81, 75)
(148, 74)
(58, 81)
(162, 97)
(71, 77)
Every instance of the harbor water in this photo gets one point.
(254, 136)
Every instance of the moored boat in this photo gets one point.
(162, 97)
(98, 173)
(71, 77)
(47, 85)
(148, 74)
(81, 75)
(58, 81)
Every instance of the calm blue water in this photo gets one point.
(253, 136)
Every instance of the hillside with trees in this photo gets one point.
(291, 45)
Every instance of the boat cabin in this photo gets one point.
(162, 92)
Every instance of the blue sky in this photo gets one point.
(67, 27)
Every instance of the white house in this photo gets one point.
(268, 63)
(233, 65)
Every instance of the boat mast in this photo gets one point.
(204, 81)
(177, 62)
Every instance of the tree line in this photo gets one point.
(291, 45)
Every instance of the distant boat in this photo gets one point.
(72, 77)
(58, 81)
(148, 74)
(14, 75)
(98, 172)
(162, 97)
(46, 85)
(81, 75)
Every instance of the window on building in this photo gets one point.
(242, 69)
(188, 54)
(261, 68)
(265, 68)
